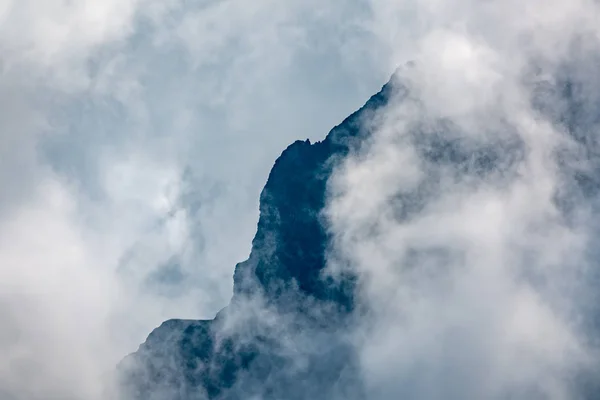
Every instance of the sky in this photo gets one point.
(136, 135)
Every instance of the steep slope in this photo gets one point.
(281, 336)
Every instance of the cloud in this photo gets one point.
(135, 139)
(475, 275)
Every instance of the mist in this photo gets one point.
(136, 136)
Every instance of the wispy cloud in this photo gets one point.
(478, 281)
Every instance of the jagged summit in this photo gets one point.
(283, 276)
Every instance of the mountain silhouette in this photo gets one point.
(284, 334)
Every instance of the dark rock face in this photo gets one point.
(297, 350)
(283, 336)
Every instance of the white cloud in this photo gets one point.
(472, 291)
